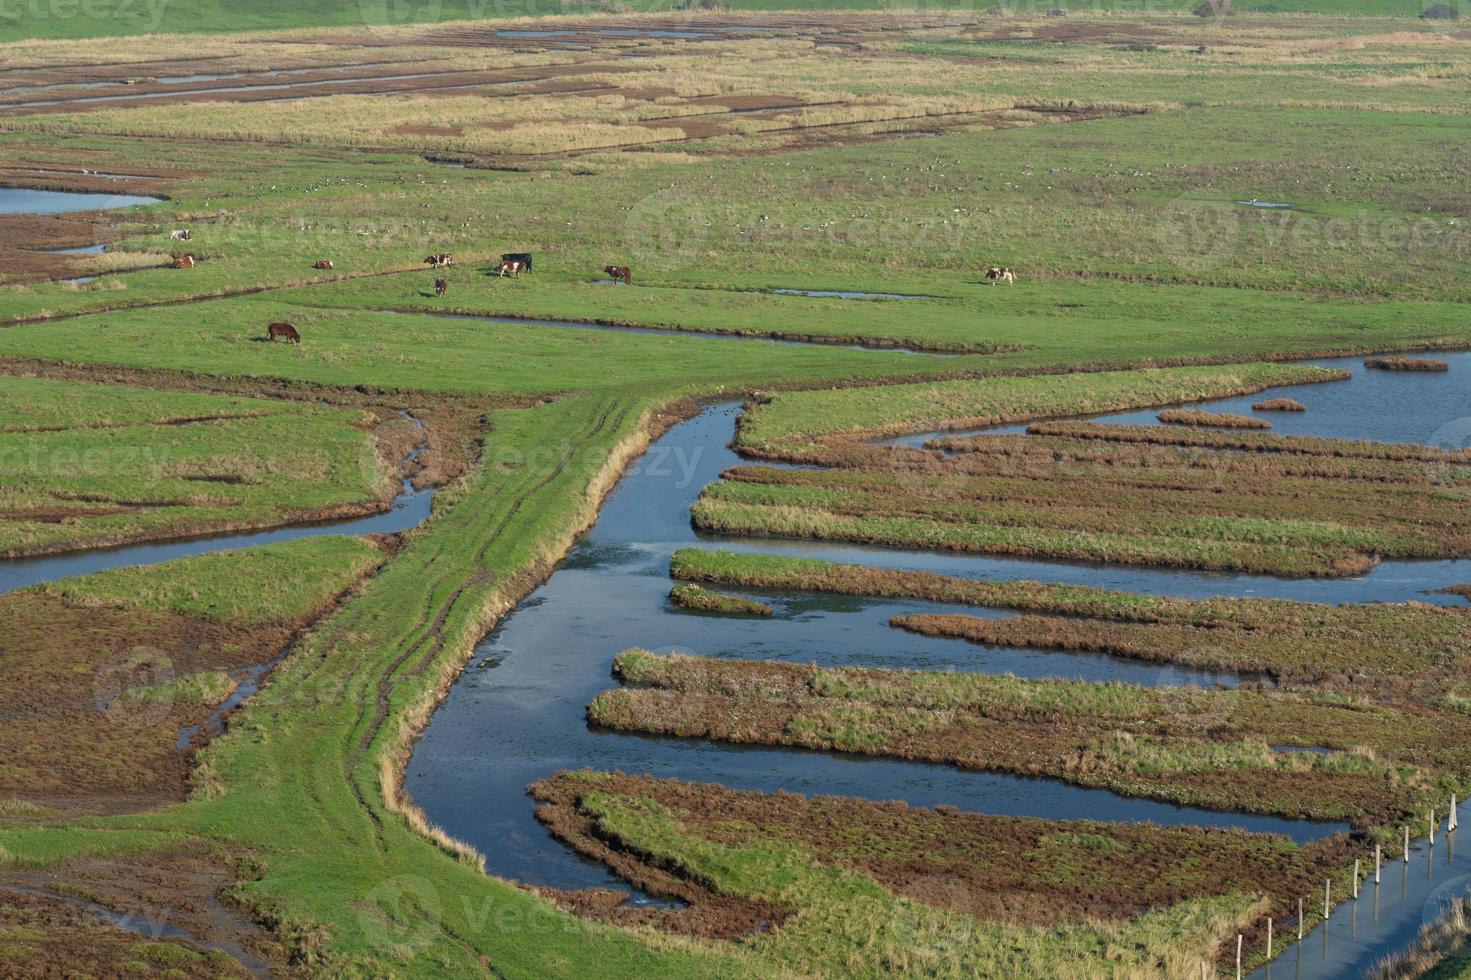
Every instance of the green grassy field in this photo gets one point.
(270, 583)
(136, 465)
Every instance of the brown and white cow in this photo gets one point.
(440, 285)
(183, 262)
(511, 266)
(619, 273)
(324, 264)
(998, 273)
(441, 261)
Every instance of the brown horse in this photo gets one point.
(440, 285)
(511, 266)
(619, 273)
(183, 262)
(282, 330)
(325, 264)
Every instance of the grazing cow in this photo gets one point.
(283, 330)
(523, 257)
(997, 273)
(440, 285)
(324, 264)
(441, 261)
(511, 266)
(183, 262)
(180, 235)
(619, 273)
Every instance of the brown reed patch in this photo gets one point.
(1211, 420)
(1016, 870)
(1406, 364)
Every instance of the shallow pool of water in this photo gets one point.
(24, 200)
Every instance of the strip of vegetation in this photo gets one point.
(1162, 494)
(1280, 405)
(1148, 519)
(1181, 745)
(859, 913)
(1011, 874)
(1294, 642)
(791, 519)
(1211, 420)
(788, 422)
(1365, 449)
(1406, 364)
(696, 599)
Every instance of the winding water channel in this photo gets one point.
(517, 713)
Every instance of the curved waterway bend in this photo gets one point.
(517, 714)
